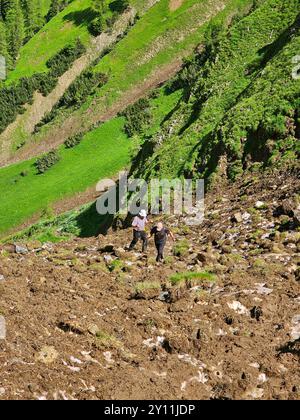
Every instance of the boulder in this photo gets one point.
(260, 205)
(47, 355)
(21, 249)
(109, 249)
(237, 218)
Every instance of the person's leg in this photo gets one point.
(134, 240)
(145, 241)
(160, 251)
(162, 247)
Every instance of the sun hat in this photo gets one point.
(143, 213)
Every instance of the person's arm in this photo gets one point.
(172, 235)
(151, 233)
(134, 223)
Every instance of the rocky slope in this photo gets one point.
(87, 320)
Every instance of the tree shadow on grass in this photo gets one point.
(117, 6)
(91, 223)
(81, 17)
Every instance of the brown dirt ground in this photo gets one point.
(75, 330)
(175, 4)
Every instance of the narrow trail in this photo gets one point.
(175, 4)
(42, 105)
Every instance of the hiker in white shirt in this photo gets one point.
(139, 230)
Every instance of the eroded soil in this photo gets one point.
(90, 321)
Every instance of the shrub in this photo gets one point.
(138, 116)
(181, 248)
(73, 141)
(82, 87)
(47, 161)
(14, 97)
(97, 26)
(178, 278)
(61, 61)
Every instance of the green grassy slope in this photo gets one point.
(101, 154)
(158, 38)
(244, 103)
(62, 30)
(45, 7)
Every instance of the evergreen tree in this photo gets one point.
(4, 7)
(3, 44)
(99, 6)
(32, 16)
(14, 29)
(56, 7)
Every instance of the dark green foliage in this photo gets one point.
(45, 162)
(4, 7)
(56, 7)
(82, 87)
(15, 31)
(115, 8)
(33, 18)
(73, 141)
(13, 98)
(97, 26)
(241, 104)
(61, 62)
(137, 117)
(119, 6)
(76, 94)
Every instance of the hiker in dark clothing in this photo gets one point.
(139, 230)
(160, 238)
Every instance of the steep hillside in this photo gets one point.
(219, 320)
(150, 45)
(165, 89)
(241, 101)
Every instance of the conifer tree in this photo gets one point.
(14, 29)
(4, 7)
(56, 7)
(32, 16)
(3, 44)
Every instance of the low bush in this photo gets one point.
(44, 163)
(73, 141)
(138, 116)
(192, 276)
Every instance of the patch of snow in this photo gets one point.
(255, 365)
(74, 360)
(221, 333)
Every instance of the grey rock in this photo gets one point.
(2, 328)
(21, 249)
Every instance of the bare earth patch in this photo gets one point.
(81, 327)
(175, 4)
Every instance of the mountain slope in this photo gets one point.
(242, 102)
(87, 320)
(156, 29)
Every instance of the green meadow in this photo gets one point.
(102, 153)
